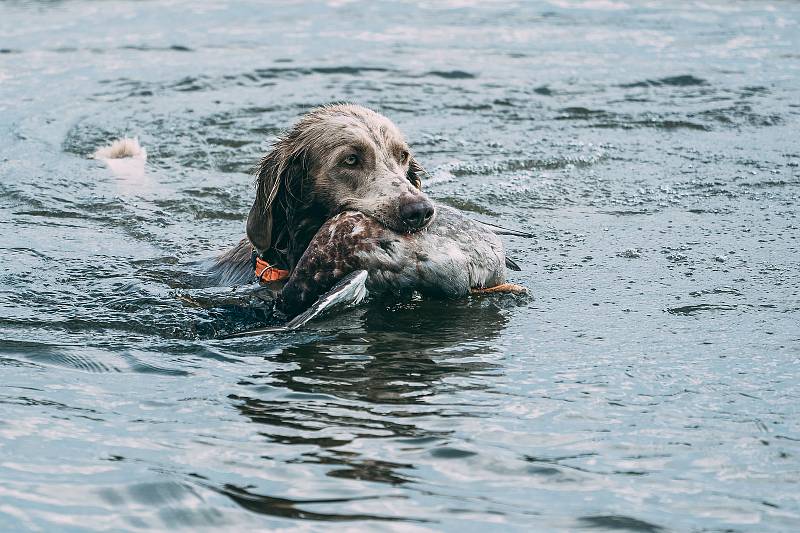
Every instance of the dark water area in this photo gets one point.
(649, 384)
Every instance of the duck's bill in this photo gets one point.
(350, 290)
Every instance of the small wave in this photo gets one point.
(77, 358)
(451, 74)
(739, 115)
(770, 184)
(691, 310)
(471, 107)
(291, 72)
(145, 48)
(619, 522)
(608, 119)
(353, 71)
(516, 165)
(143, 367)
(287, 508)
(568, 113)
(654, 123)
(191, 84)
(685, 80)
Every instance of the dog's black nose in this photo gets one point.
(416, 215)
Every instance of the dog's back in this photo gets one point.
(233, 267)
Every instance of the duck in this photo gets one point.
(353, 256)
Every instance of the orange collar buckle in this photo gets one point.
(265, 272)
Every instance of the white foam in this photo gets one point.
(126, 159)
(121, 149)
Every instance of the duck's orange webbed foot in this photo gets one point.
(512, 288)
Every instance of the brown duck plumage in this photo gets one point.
(450, 258)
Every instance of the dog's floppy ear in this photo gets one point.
(268, 182)
(415, 173)
(279, 191)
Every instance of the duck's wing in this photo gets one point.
(350, 290)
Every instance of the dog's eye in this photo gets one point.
(351, 160)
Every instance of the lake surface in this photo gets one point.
(650, 383)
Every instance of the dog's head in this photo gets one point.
(336, 158)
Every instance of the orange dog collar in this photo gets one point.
(266, 272)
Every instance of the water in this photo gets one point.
(650, 384)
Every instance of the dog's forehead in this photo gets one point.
(375, 127)
(353, 124)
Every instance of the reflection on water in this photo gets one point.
(373, 369)
(401, 356)
(360, 385)
(648, 384)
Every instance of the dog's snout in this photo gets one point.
(416, 214)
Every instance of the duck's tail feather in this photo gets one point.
(500, 230)
(512, 265)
